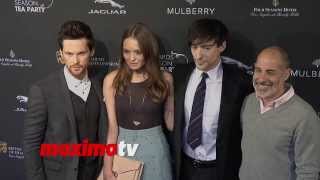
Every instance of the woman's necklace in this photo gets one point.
(135, 107)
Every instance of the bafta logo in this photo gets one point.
(275, 3)
(316, 62)
(3, 147)
(190, 1)
(12, 54)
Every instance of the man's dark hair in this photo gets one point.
(204, 30)
(75, 30)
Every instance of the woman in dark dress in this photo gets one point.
(139, 99)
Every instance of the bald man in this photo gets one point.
(281, 131)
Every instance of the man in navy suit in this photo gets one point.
(208, 98)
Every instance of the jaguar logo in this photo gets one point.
(22, 99)
(111, 2)
(21, 105)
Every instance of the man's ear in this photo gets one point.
(59, 57)
(223, 46)
(288, 73)
(92, 52)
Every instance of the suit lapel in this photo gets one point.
(181, 79)
(67, 101)
(227, 100)
(96, 88)
(181, 94)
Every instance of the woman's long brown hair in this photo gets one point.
(155, 85)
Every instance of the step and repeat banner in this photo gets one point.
(28, 45)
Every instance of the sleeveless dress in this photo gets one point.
(140, 121)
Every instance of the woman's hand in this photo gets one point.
(109, 175)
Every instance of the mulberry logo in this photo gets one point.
(116, 8)
(31, 6)
(21, 103)
(308, 72)
(190, 1)
(275, 3)
(191, 10)
(112, 3)
(316, 62)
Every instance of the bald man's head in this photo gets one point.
(271, 71)
(276, 53)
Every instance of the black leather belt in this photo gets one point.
(198, 163)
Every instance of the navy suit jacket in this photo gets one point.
(236, 85)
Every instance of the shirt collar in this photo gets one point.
(277, 102)
(71, 80)
(214, 74)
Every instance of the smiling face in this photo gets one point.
(206, 55)
(270, 75)
(132, 54)
(75, 54)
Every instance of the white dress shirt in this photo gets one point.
(207, 150)
(79, 87)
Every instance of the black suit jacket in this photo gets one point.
(236, 85)
(50, 119)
